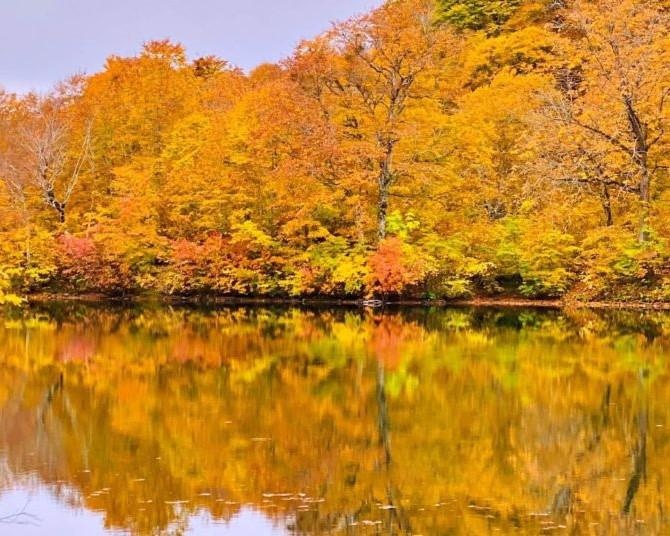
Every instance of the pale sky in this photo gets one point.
(44, 41)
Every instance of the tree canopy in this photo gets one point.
(423, 149)
(477, 14)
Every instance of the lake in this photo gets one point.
(276, 421)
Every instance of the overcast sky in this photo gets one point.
(44, 41)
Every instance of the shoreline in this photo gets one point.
(214, 300)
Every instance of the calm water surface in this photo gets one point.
(154, 420)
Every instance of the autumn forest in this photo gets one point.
(426, 149)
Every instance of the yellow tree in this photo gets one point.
(614, 105)
(142, 107)
(374, 72)
(193, 183)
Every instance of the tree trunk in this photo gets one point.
(640, 156)
(645, 202)
(384, 184)
(607, 205)
(61, 213)
(28, 252)
(382, 210)
(56, 205)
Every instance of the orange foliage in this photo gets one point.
(393, 268)
(427, 148)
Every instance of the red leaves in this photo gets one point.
(76, 248)
(78, 259)
(83, 266)
(394, 267)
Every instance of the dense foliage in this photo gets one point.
(477, 14)
(424, 149)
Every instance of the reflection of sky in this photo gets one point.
(52, 517)
(43, 41)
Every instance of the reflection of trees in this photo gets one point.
(20, 517)
(639, 450)
(482, 419)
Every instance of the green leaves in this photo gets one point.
(477, 14)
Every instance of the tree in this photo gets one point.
(428, 148)
(614, 109)
(45, 151)
(9, 170)
(381, 66)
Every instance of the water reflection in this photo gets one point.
(54, 518)
(291, 421)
